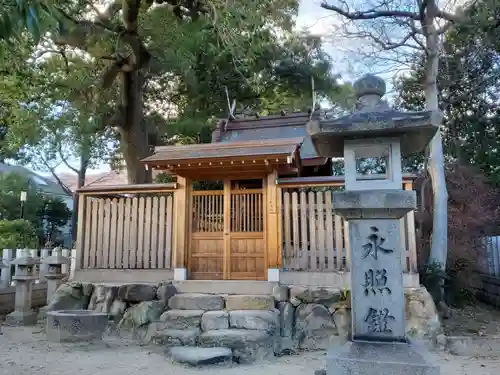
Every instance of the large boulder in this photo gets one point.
(102, 298)
(314, 327)
(141, 314)
(181, 319)
(71, 296)
(165, 291)
(255, 319)
(250, 302)
(135, 293)
(422, 319)
(248, 345)
(287, 312)
(215, 320)
(319, 295)
(201, 356)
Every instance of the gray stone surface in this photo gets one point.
(422, 318)
(248, 345)
(314, 327)
(281, 293)
(201, 356)
(117, 309)
(137, 292)
(255, 319)
(75, 325)
(102, 298)
(249, 302)
(141, 314)
(21, 318)
(343, 321)
(158, 335)
(181, 319)
(324, 296)
(192, 301)
(377, 279)
(287, 312)
(380, 358)
(215, 320)
(165, 291)
(71, 296)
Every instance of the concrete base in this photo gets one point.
(21, 318)
(273, 274)
(367, 358)
(180, 274)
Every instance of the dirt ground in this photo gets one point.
(474, 320)
(24, 351)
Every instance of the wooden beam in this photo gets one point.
(181, 214)
(273, 230)
(128, 189)
(227, 230)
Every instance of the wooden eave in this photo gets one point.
(250, 158)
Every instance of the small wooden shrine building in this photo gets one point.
(253, 204)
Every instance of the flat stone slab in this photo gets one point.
(380, 358)
(171, 337)
(181, 319)
(75, 325)
(249, 302)
(192, 301)
(215, 320)
(255, 319)
(201, 356)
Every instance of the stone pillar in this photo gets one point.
(54, 273)
(6, 276)
(2, 267)
(23, 314)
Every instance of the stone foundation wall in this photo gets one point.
(293, 318)
(490, 291)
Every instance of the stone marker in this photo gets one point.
(201, 356)
(53, 272)
(23, 314)
(373, 205)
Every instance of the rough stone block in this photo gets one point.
(248, 345)
(380, 358)
(192, 301)
(158, 335)
(212, 320)
(287, 312)
(21, 318)
(247, 302)
(102, 298)
(71, 296)
(314, 327)
(141, 314)
(281, 293)
(165, 291)
(181, 319)
(137, 292)
(255, 319)
(201, 356)
(323, 296)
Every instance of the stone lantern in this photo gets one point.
(372, 140)
(54, 273)
(23, 314)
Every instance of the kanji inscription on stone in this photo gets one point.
(374, 245)
(376, 281)
(378, 320)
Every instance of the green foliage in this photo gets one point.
(16, 234)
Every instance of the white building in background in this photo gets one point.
(49, 188)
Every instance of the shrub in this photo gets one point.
(15, 234)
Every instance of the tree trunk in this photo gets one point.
(82, 172)
(133, 132)
(439, 246)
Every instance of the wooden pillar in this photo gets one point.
(80, 235)
(273, 226)
(182, 198)
(227, 230)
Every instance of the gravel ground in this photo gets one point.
(24, 351)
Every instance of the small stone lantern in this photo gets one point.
(54, 273)
(23, 314)
(372, 140)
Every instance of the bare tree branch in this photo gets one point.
(370, 14)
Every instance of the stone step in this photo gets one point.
(196, 301)
(225, 287)
(195, 356)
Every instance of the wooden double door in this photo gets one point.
(227, 239)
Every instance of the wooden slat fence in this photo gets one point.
(127, 232)
(315, 239)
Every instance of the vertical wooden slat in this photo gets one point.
(161, 232)
(288, 236)
(100, 234)
(113, 233)
(147, 233)
(303, 231)
(312, 231)
(94, 234)
(87, 243)
(295, 230)
(412, 241)
(402, 237)
(106, 229)
(126, 233)
(134, 233)
(321, 230)
(120, 221)
(169, 231)
(347, 243)
(140, 233)
(154, 234)
(227, 229)
(81, 231)
(339, 242)
(329, 243)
